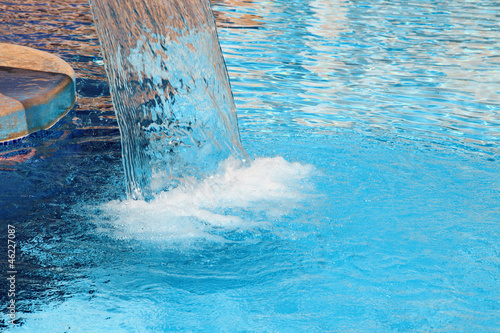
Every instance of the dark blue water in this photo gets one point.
(372, 204)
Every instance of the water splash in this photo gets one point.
(170, 90)
(235, 198)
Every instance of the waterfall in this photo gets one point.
(170, 90)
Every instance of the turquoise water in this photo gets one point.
(372, 204)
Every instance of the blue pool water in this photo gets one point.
(372, 204)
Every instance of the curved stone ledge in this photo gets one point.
(36, 90)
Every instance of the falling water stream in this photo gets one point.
(170, 90)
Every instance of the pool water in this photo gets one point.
(372, 204)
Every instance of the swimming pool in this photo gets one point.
(372, 203)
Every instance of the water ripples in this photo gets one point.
(417, 70)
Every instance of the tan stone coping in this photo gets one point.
(36, 90)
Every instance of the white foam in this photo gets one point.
(236, 198)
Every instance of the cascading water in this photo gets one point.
(170, 90)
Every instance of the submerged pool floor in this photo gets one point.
(372, 204)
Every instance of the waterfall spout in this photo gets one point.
(170, 90)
